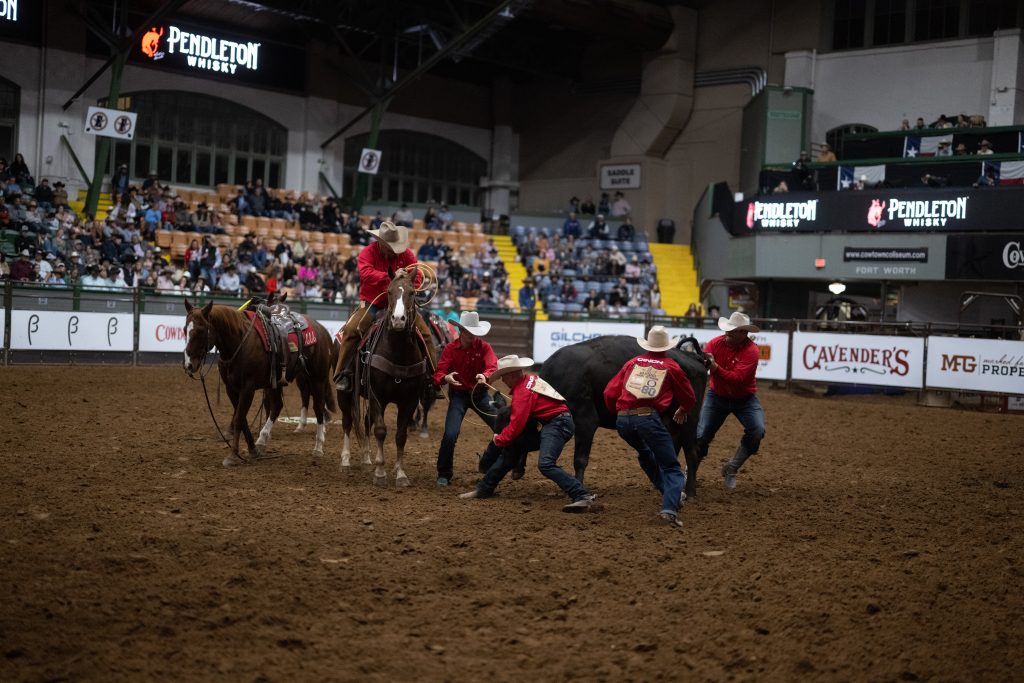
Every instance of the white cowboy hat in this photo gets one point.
(470, 322)
(737, 321)
(657, 340)
(396, 236)
(510, 363)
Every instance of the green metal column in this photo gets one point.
(363, 179)
(103, 144)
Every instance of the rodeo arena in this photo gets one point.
(512, 340)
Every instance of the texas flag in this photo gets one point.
(848, 175)
(918, 146)
(1006, 172)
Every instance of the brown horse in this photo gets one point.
(244, 367)
(395, 371)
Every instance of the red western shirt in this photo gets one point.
(526, 405)
(675, 385)
(736, 368)
(478, 359)
(374, 265)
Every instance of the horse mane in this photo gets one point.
(227, 317)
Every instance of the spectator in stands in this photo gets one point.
(403, 216)
(119, 183)
(986, 179)
(826, 154)
(616, 261)
(801, 172)
(931, 180)
(961, 150)
(446, 216)
(621, 207)
(587, 208)
(942, 122)
(60, 194)
(229, 282)
(945, 149)
(5, 268)
(527, 296)
(92, 279)
(376, 220)
(23, 269)
(783, 186)
(44, 194)
(985, 148)
(604, 205)
(330, 216)
(627, 231)
(599, 229)
(693, 312)
(962, 121)
(19, 171)
(571, 226)
(655, 297)
(574, 205)
(920, 124)
(633, 272)
(431, 221)
(182, 218)
(152, 218)
(200, 287)
(594, 303)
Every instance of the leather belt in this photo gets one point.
(637, 411)
(553, 417)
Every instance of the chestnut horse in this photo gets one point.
(396, 371)
(244, 367)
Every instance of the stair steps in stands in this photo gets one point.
(677, 277)
(516, 271)
(102, 209)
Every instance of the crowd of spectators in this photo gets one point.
(959, 121)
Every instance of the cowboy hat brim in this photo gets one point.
(726, 326)
(521, 364)
(480, 330)
(398, 246)
(651, 347)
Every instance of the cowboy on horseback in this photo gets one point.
(378, 263)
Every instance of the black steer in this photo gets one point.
(581, 372)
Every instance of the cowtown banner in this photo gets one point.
(988, 365)
(985, 257)
(858, 359)
(884, 210)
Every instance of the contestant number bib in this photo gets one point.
(645, 382)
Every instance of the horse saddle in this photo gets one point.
(284, 335)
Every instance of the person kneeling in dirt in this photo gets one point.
(539, 420)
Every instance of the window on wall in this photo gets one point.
(988, 16)
(890, 24)
(9, 106)
(417, 167)
(848, 29)
(936, 19)
(194, 139)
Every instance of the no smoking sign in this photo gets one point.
(369, 161)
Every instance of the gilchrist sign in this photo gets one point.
(913, 210)
(985, 257)
(620, 177)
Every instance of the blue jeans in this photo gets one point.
(549, 440)
(656, 454)
(458, 403)
(716, 408)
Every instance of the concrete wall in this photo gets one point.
(940, 302)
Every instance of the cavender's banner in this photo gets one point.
(985, 257)
(884, 210)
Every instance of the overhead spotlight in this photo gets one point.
(837, 288)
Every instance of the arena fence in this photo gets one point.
(135, 327)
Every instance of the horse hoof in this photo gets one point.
(424, 434)
(346, 463)
(318, 452)
(381, 481)
(232, 461)
(298, 428)
(403, 481)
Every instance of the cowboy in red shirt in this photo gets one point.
(464, 366)
(733, 359)
(377, 264)
(540, 420)
(643, 389)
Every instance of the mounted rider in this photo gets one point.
(377, 264)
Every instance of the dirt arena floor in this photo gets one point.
(870, 540)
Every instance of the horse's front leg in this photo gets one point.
(239, 426)
(273, 402)
(405, 416)
(320, 408)
(380, 431)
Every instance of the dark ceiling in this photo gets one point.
(535, 38)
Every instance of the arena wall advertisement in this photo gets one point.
(772, 346)
(162, 333)
(549, 336)
(987, 365)
(858, 359)
(71, 331)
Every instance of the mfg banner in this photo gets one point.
(989, 365)
(549, 336)
(858, 359)
(69, 331)
(773, 348)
